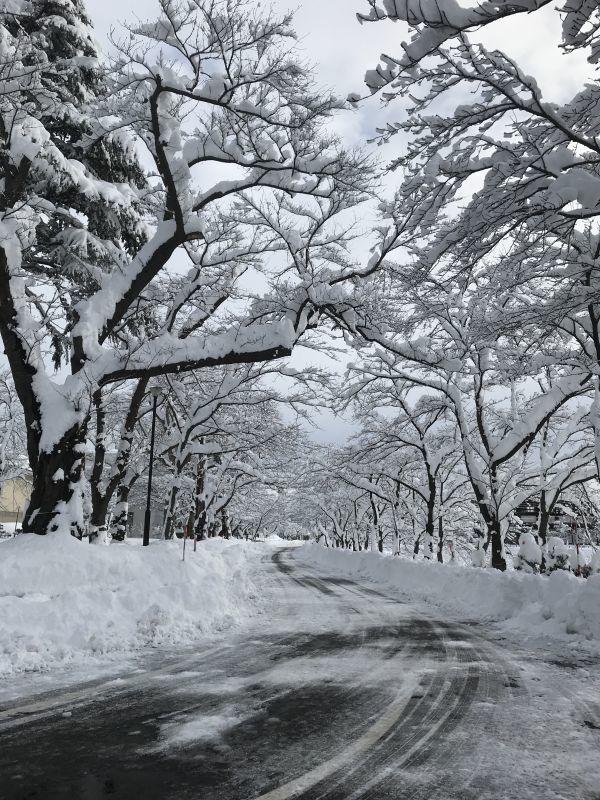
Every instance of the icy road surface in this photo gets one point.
(337, 691)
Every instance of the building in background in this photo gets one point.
(14, 497)
(566, 521)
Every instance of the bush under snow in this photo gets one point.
(557, 605)
(62, 600)
(529, 556)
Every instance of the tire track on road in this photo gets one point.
(419, 735)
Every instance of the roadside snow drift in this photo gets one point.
(62, 600)
(559, 605)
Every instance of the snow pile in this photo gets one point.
(559, 605)
(277, 541)
(62, 600)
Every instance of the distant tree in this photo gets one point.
(411, 440)
(13, 444)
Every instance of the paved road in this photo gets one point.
(336, 692)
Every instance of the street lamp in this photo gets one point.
(156, 393)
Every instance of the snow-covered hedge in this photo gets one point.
(62, 600)
(557, 605)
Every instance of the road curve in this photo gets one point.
(337, 691)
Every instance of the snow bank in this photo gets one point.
(62, 600)
(559, 605)
(277, 541)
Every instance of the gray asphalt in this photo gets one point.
(336, 691)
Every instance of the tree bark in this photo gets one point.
(98, 526)
(495, 539)
(200, 505)
(430, 519)
(119, 527)
(416, 546)
(58, 473)
(429, 531)
(225, 530)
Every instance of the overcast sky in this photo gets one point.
(341, 50)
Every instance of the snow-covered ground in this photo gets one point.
(9, 530)
(66, 602)
(532, 607)
(316, 689)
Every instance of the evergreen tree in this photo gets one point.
(55, 85)
(83, 235)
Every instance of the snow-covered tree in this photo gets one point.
(411, 440)
(438, 336)
(227, 412)
(566, 451)
(13, 448)
(499, 186)
(203, 87)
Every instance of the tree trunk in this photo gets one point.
(98, 526)
(428, 544)
(495, 539)
(544, 524)
(119, 524)
(201, 523)
(189, 525)
(98, 497)
(17, 354)
(440, 553)
(225, 530)
(376, 525)
(372, 545)
(168, 524)
(55, 480)
(169, 521)
(200, 500)
(430, 521)
(416, 546)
